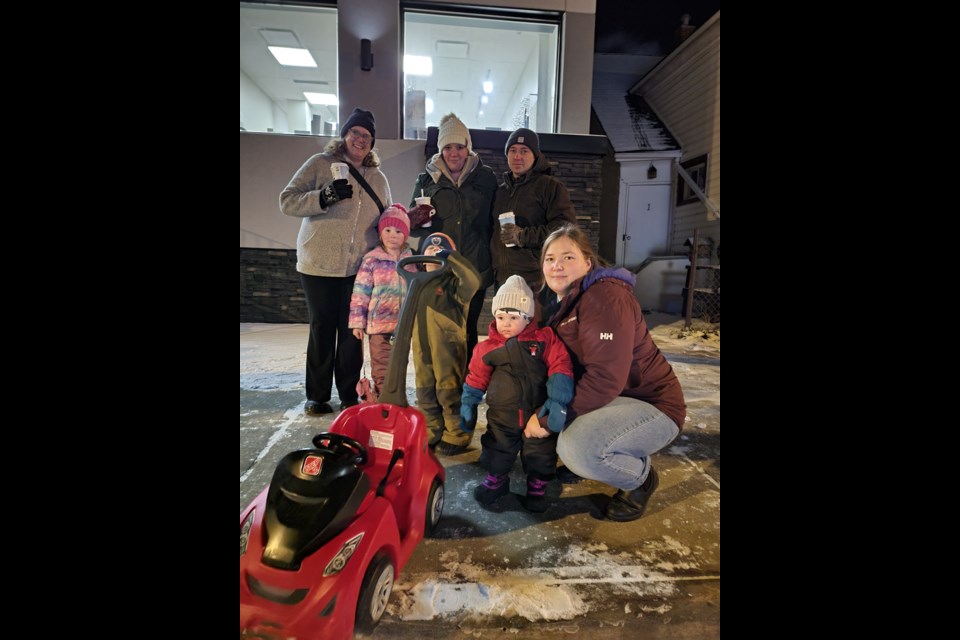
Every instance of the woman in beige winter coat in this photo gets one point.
(339, 226)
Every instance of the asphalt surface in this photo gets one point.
(503, 572)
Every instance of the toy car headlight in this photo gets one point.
(339, 561)
(245, 530)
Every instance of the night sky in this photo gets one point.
(646, 27)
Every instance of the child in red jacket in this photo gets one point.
(522, 369)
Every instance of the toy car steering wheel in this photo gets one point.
(344, 448)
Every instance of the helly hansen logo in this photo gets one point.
(606, 336)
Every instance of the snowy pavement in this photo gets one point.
(504, 572)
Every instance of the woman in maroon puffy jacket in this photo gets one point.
(628, 403)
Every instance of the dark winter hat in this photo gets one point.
(395, 216)
(361, 118)
(438, 239)
(525, 137)
(514, 295)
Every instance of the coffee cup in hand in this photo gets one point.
(339, 170)
(507, 218)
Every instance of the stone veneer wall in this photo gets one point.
(270, 286)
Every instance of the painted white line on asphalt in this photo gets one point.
(624, 580)
(523, 576)
(699, 469)
(290, 415)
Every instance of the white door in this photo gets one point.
(646, 226)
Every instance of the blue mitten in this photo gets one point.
(559, 394)
(469, 400)
(558, 415)
(560, 388)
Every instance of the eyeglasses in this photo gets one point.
(359, 135)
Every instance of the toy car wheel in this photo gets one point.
(434, 506)
(374, 593)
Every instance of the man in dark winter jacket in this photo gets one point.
(540, 203)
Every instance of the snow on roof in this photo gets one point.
(628, 121)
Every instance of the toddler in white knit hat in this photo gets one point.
(513, 307)
(526, 373)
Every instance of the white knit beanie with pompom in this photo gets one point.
(453, 131)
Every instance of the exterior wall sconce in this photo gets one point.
(366, 55)
(652, 172)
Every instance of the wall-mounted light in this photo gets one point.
(366, 55)
(652, 172)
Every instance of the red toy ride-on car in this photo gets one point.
(322, 545)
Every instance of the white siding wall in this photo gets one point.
(684, 90)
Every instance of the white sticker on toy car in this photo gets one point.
(381, 440)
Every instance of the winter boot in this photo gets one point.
(492, 488)
(630, 505)
(536, 495)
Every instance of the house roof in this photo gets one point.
(628, 121)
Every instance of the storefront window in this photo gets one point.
(496, 74)
(288, 69)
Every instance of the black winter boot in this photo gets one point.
(536, 495)
(630, 505)
(492, 488)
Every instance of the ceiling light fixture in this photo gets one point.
(488, 83)
(328, 99)
(281, 38)
(418, 65)
(290, 57)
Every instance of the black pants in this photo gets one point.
(332, 351)
(501, 445)
(473, 316)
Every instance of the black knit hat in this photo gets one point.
(525, 137)
(360, 118)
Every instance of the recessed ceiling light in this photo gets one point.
(321, 98)
(418, 65)
(290, 57)
(281, 38)
(452, 49)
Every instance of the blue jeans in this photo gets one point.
(613, 444)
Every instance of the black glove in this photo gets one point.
(335, 191)
(510, 234)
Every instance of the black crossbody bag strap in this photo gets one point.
(363, 183)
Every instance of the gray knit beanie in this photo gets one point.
(514, 295)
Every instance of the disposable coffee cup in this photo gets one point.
(507, 218)
(425, 200)
(339, 170)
